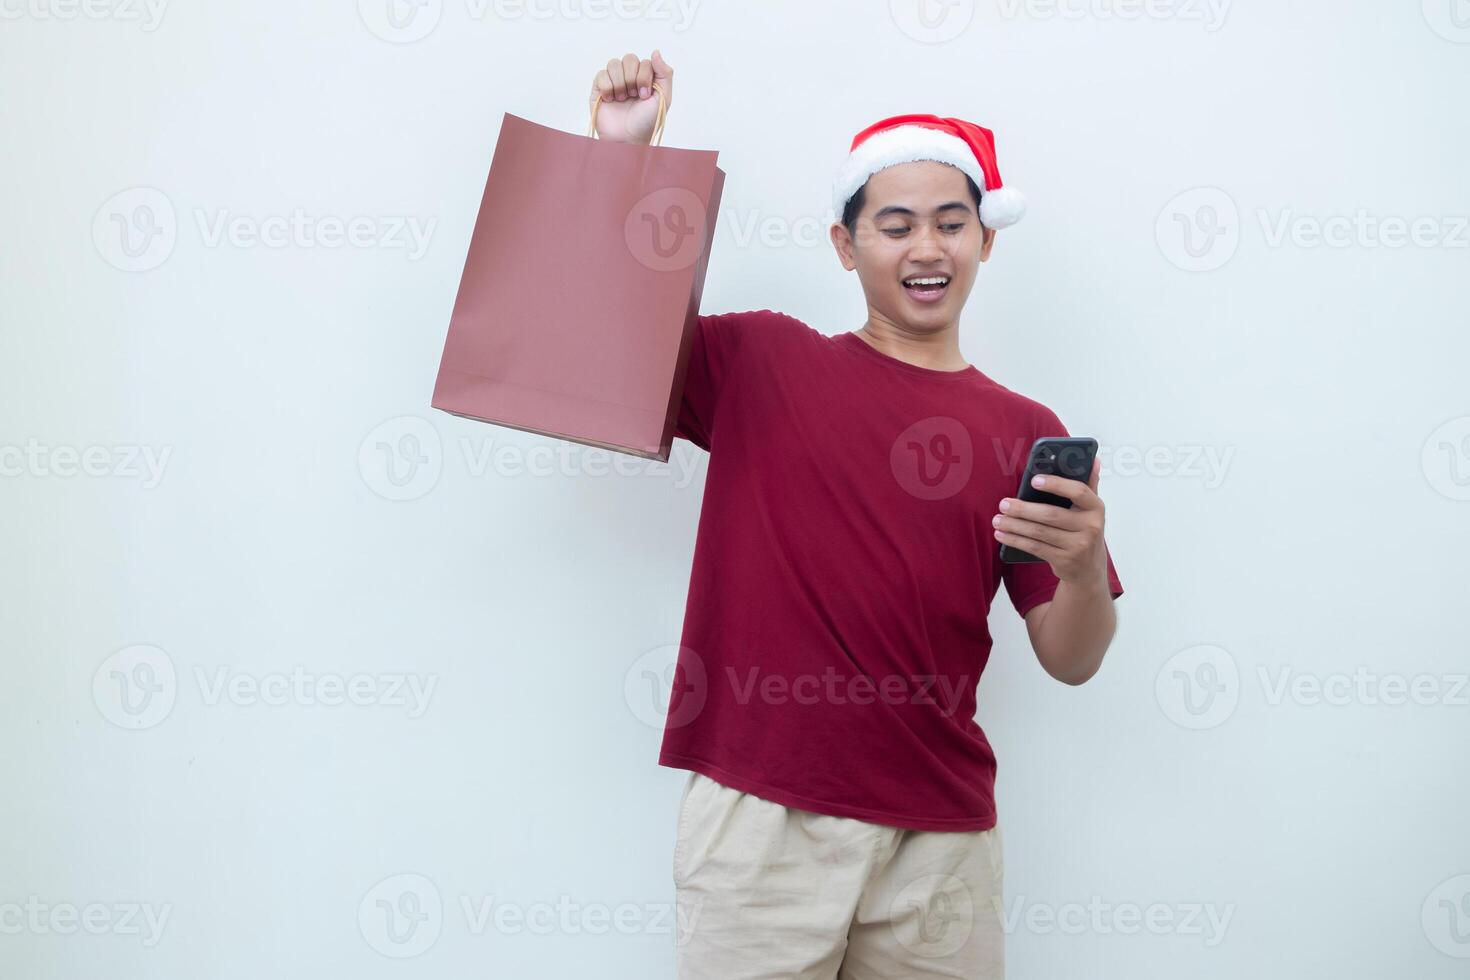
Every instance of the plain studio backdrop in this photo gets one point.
(303, 678)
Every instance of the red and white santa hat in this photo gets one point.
(905, 139)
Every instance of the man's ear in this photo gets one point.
(842, 241)
(987, 244)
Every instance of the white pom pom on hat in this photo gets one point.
(917, 136)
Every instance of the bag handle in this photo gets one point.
(658, 123)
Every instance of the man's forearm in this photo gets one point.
(1076, 630)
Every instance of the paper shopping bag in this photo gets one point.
(577, 303)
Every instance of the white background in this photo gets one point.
(1148, 298)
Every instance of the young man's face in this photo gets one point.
(918, 220)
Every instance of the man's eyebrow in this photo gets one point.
(909, 212)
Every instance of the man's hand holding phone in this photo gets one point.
(1069, 539)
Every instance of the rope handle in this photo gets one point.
(658, 123)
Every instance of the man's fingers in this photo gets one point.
(615, 72)
(1031, 546)
(1076, 491)
(1096, 471)
(602, 87)
(630, 76)
(1050, 514)
(645, 79)
(1031, 529)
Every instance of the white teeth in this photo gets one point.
(930, 281)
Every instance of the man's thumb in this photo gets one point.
(662, 72)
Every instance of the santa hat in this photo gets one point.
(905, 139)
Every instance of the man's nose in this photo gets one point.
(926, 246)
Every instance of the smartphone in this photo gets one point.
(1067, 456)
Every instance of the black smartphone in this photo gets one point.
(1068, 456)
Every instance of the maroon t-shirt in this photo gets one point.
(843, 572)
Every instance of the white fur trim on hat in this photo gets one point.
(908, 144)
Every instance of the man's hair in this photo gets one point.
(855, 203)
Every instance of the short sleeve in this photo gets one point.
(717, 341)
(1030, 584)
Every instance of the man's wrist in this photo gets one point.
(1093, 585)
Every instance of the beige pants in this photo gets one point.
(767, 891)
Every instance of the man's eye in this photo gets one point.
(895, 232)
(953, 227)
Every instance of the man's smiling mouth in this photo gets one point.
(926, 287)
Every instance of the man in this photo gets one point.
(839, 816)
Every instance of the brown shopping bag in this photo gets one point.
(578, 299)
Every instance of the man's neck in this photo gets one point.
(938, 350)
